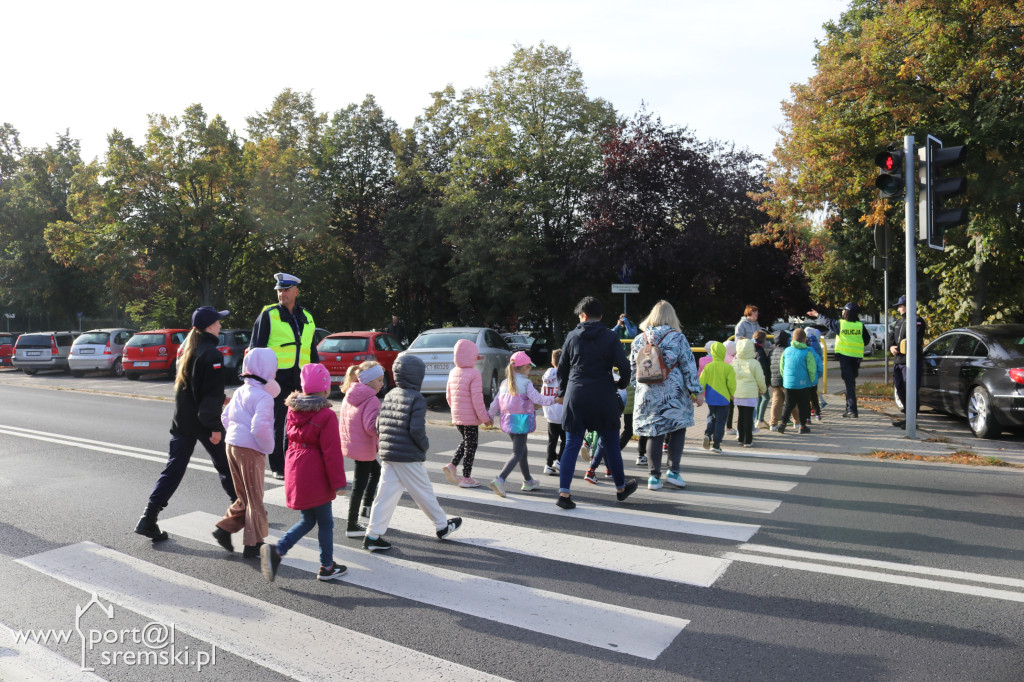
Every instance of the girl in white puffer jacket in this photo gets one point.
(249, 421)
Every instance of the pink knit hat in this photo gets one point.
(315, 378)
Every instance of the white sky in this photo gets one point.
(720, 68)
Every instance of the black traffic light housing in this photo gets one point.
(890, 181)
(936, 189)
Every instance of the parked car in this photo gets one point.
(437, 349)
(340, 351)
(232, 344)
(99, 350)
(319, 334)
(518, 342)
(153, 352)
(42, 350)
(7, 348)
(878, 335)
(830, 345)
(977, 373)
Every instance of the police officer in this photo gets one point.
(287, 329)
(896, 342)
(851, 338)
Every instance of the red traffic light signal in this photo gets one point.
(890, 182)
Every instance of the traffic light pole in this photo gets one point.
(910, 402)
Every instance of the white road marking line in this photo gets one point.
(624, 515)
(694, 447)
(877, 577)
(621, 557)
(886, 565)
(267, 634)
(606, 626)
(33, 662)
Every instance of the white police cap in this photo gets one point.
(285, 281)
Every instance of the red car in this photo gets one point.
(340, 351)
(7, 348)
(153, 352)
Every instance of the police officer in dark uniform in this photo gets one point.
(287, 329)
(896, 342)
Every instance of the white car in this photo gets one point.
(830, 344)
(878, 335)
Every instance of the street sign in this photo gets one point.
(625, 288)
(9, 316)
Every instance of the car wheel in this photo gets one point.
(132, 376)
(30, 372)
(78, 374)
(173, 374)
(117, 369)
(979, 414)
(492, 388)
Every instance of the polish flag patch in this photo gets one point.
(217, 366)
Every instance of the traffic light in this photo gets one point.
(890, 182)
(936, 189)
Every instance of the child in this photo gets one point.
(814, 343)
(760, 336)
(313, 470)
(402, 425)
(750, 386)
(358, 424)
(799, 369)
(465, 395)
(730, 355)
(249, 422)
(553, 415)
(515, 403)
(719, 383)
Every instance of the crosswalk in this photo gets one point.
(234, 621)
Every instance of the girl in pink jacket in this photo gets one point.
(465, 395)
(314, 470)
(358, 424)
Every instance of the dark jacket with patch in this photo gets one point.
(402, 422)
(198, 404)
(585, 378)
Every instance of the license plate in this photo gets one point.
(87, 351)
(337, 380)
(33, 353)
(438, 367)
(142, 364)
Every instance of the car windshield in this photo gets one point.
(99, 338)
(441, 340)
(146, 340)
(34, 341)
(344, 344)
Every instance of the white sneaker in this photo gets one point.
(551, 471)
(641, 461)
(731, 432)
(497, 487)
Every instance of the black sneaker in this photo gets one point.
(335, 571)
(354, 530)
(376, 544)
(849, 415)
(565, 502)
(900, 423)
(628, 490)
(804, 429)
(269, 561)
(223, 539)
(251, 551)
(453, 525)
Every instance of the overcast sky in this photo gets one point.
(720, 68)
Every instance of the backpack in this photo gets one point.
(650, 362)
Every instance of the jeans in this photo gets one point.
(178, 456)
(716, 423)
(321, 517)
(610, 445)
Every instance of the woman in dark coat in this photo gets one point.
(588, 392)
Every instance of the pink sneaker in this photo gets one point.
(468, 482)
(449, 473)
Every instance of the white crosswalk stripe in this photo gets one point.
(27, 661)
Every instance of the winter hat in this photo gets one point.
(707, 347)
(315, 378)
(520, 359)
(370, 373)
(730, 347)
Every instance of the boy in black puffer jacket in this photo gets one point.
(778, 392)
(402, 426)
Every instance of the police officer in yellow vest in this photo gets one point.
(287, 329)
(851, 338)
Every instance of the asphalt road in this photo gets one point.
(781, 565)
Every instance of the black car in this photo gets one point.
(977, 373)
(232, 343)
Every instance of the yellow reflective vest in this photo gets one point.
(282, 339)
(850, 341)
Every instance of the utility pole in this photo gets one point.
(910, 403)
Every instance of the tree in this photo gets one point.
(951, 68)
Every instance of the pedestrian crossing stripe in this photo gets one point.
(576, 550)
(607, 626)
(743, 452)
(266, 634)
(32, 662)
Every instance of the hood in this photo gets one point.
(745, 349)
(591, 329)
(730, 347)
(300, 402)
(798, 344)
(262, 363)
(718, 351)
(359, 394)
(465, 353)
(409, 371)
(782, 338)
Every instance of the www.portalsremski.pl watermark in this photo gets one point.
(153, 644)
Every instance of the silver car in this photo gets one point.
(99, 350)
(436, 347)
(42, 350)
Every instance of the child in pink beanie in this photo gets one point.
(314, 470)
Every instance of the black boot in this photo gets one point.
(147, 524)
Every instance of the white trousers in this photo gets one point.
(396, 478)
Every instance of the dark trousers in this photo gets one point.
(627, 430)
(849, 368)
(641, 446)
(675, 440)
(556, 442)
(466, 452)
(815, 403)
(745, 424)
(286, 379)
(716, 423)
(364, 489)
(899, 380)
(178, 456)
(800, 400)
(610, 445)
